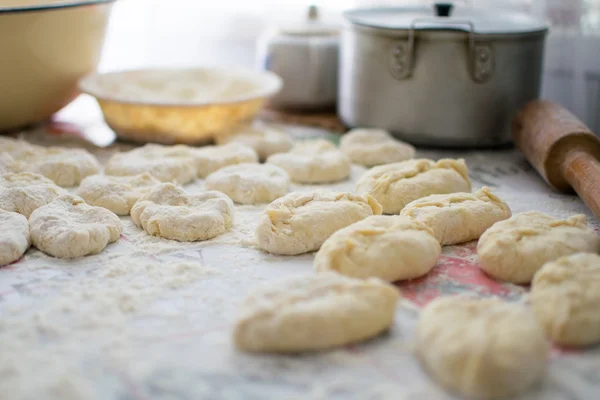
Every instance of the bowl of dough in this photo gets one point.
(49, 45)
(180, 106)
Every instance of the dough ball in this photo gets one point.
(396, 185)
(388, 247)
(15, 241)
(170, 212)
(65, 166)
(300, 222)
(8, 164)
(67, 227)
(250, 183)
(116, 193)
(313, 161)
(458, 217)
(370, 147)
(165, 163)
(212, 158)
(265, 140)
(15, 148)
(515, 249)
(481, 348)
(312, 313)
(565, 296)
(24, 192)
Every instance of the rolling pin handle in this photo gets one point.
(582, 170)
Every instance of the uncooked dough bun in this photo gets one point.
(65, 166)
(116, 193)
(565, 296)
(515, 249)
(370, 147)
(165, 163)
(168, 211)
(388, 247)
(67, 227)
(250, 183)
(481, 348)
(265, 140)
(458, 217)
(313, 161)
(24, 192)
(396, 185)
(300, 222)
(15, 241)
(212, 158)
(312, 313)
(8, 164)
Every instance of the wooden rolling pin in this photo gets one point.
(561, 148)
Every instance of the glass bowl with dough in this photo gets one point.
(187, 106)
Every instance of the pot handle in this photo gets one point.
(481, 56)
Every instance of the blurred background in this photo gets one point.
(224, 32)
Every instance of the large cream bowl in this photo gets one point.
(46, 47)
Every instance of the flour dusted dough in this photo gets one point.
(313, 161)
(8, 164)
(170, 212)
(165, 163)
(250, 183)
(481, 348)
(565, 297)
(67, 227)
(300, 222)
(24, 192)
(387, 247)
(458, 217)
(212, 158)
(265, 140)
(515, 249)
(370, 147)
(312, 313)
(65, 166)
(14, 236)
(396, 185)
(116, 193)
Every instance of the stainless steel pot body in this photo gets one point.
(438, 87)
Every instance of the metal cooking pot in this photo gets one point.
(439, 76)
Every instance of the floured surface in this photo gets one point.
(150, 318)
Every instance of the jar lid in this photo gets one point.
(447, 16)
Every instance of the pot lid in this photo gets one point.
(447, 16)
(311, 27)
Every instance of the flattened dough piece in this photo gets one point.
(370, 147)
(300, 222)
(313, 161)
(67, 227)
(481, 348)
(24, 192)
(170, 212)
(66, 167)
(387, 247)
(8, 164)
(565, 297)
(165, 163)
(265, 140)
(250, 183)
(458, 217)
(212, 158)
(312, 313)
(14, 236)
(396, 185)
(116, 193)
(515, 249)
